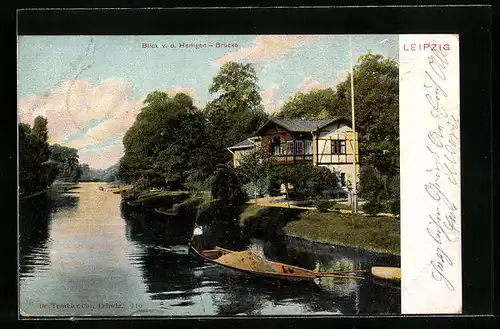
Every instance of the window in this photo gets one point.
(275, 147)
(342, 179)
(299, 147)
(338, 146)
(289, 148)
(309, 147)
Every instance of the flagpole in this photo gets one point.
(354, 198)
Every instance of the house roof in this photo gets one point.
(299, 125)
(247, 143)
(293, 125)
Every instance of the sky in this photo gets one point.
(91, 88)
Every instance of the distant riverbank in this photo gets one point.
(57, 187)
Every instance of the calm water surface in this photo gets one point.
(80, 255)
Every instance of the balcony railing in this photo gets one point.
(286, 159)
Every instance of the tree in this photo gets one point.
(236, 84)
(40, 128)
(304, 180)
(36, 172)
(167, 145)
(380, 191)
(237, 112)
(86, 174)
(66, 162)
(316, 104)
(253, 172)
(376, 98)
(226, 186)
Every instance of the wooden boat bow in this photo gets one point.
(280, 270)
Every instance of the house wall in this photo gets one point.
(273, 132)
(340, 163)
(277, 131)
(336, 131)
(345, 168)
(238, 155)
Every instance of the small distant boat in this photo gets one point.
(387, 273)
(280, 270)
(101, 188)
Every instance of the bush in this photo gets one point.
(324, 205)
(305, 203)
(308, 181)
(372, 208)
(227, 187)
(395, 207)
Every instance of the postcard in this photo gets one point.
(239, 175)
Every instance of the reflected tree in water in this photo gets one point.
(35, 216)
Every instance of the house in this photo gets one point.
(324, 142)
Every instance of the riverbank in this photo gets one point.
(55, 188)
(376, 234)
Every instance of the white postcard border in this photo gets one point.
(429, 95)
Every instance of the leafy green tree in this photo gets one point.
(374, 185)
(86, 174)
(253, 172)
(303, 181)
(237, 86)
(40, 129)
(66, 161)
(237, 111)
(36, 172)
(310, 181)
(380, 191)
(226, 186)
(167, 144)
(316, 104)
(376, 99)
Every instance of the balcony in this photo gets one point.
(291, 159)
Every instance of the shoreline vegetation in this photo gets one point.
(56, 187)
(174, 145)
(379, 234)
(372, 233)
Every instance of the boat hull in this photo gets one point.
(281, 271)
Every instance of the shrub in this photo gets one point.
(324, 205)
(395, 207)
(305, 203)
(372, 208)
(227, 187)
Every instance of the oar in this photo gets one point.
(329, 275)
(343, 272)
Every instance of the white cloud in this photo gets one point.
(343, 75)
(308, 83)
(74, 104)
(104, 159)
(267, 95)
(71, 107)
(267, 47)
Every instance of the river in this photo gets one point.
(80, 255)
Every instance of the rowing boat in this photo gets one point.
(280, 270)
(387, 273)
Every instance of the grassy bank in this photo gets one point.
(379, 234)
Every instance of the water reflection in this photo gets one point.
(89, 248)
(34, 226)
(178, 280)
